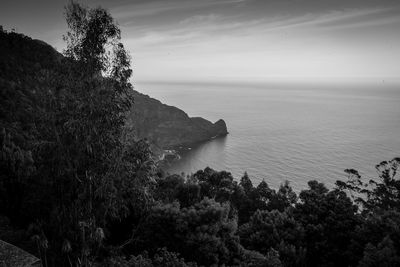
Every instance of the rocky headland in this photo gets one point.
(167, 127)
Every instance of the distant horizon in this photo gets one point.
(266, 80)
(296, 131)
(237, 39)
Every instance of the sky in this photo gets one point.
(184, 40)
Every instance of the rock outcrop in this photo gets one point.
(169, 127)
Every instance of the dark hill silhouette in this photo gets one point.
(26, 61)
(168, 126)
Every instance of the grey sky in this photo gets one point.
(238, 39)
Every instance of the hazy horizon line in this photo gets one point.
(291, 79)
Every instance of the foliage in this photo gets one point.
(276, 231)
(203, 232)
(382, 193)
(163, 258)
(384, 254)
(68, 162)
(329, 218)
(77, 188)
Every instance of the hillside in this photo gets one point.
(169, 127)
(30, 66)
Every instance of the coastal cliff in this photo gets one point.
(169, 127)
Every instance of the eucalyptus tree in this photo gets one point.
(102, 173)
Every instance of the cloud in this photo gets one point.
(362, 18)
(333, 19)
(205, 33)
(207, 37)
(200, 19)
(153, 8)
(194, 28)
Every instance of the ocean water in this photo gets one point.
(295, 131)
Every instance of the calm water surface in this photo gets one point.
(289, 131)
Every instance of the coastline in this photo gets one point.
(168, 156)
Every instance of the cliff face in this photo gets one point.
(169, 127)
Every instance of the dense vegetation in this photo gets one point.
(77, 189)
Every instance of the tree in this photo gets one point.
(217, 185)
(69, 165)
(284, 198)
(246, 183)
(163, 258)
(383, 255)
(382, 193)
(175, 187)
(274, 231)
(107, 169)
(329, 219)
(203, 233)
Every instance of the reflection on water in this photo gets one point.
(193, 158)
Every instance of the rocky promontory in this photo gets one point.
(165, 127)
(169, 127)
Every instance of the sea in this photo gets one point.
(289, 130)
